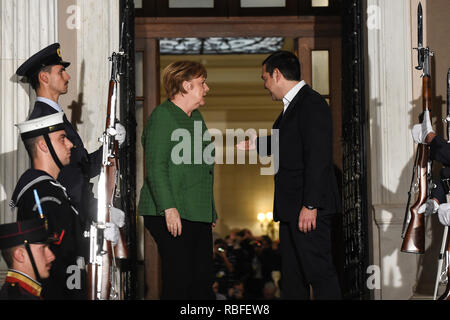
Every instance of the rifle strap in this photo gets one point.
(406, 219)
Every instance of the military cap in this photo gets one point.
(48, 56)
(40, 126)
(20, 232)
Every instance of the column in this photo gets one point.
(26, 26)
(89, 32)
(393, 110)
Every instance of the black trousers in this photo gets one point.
(186, 261)
(306, 260)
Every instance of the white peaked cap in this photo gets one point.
(40, 126)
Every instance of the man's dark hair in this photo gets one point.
(34, 79)
(30, 146)
(7, 255)
(286, 62)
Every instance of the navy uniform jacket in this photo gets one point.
(19, 286)
(63, 221)
(306, 174)
(83, 166)
(440, 151)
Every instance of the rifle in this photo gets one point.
(443, 275)
(413, 232)
(102, 269)
(446, 294)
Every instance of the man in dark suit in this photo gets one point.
(306, 193)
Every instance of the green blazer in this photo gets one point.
(179, 163)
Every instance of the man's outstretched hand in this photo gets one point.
(249, 144)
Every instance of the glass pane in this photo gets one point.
(138, 4)
(191, 3)
(219, 45)
(139, 55)
(262, 3)
(320, 3)
(320, 71)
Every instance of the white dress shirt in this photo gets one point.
(291, 94)
(51, 103)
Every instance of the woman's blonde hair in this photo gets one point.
(177, 72)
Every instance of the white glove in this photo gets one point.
(117, 216)
(420, 131)
(444, 214)
(111, 233)
(121, 133)
(429, 207)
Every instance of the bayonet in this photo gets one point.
(419, 48)
(419, 26)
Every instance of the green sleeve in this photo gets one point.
(157, 157)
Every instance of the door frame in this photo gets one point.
(148, 30)
(310, 32)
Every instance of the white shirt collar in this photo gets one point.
(51, 103)
(292, 93)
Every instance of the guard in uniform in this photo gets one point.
(440, 151)
(46, 73)
(25, 248)
(39, 194)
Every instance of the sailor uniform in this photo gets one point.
(63, 223)
(83, 166)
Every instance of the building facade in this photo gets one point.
(382, 33)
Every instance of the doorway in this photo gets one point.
(237, 104)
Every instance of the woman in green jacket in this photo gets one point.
(177, 199)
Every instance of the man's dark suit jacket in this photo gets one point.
(83, 166)
(306, 174)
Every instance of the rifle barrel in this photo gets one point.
(448, 105)
(414, 237)
(102, 267)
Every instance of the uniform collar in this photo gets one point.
(51, 103)
(23, 280)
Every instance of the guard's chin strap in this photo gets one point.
(33, 263)
(52, 151)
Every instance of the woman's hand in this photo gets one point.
(307, 220)
(173, 221)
